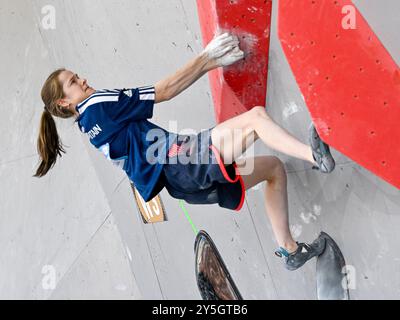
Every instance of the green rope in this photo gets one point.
(188, 217)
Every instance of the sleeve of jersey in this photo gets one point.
(133, 104)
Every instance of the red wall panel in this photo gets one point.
(350, 82)
(240, 87)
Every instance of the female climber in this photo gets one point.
(116, 122)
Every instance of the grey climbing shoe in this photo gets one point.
(321, 152)
(304, 252)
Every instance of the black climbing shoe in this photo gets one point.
(304, 252)
(321, 152)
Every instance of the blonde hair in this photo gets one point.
(49, 144)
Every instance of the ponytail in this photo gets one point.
(49, 145)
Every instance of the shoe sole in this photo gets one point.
(328, 164)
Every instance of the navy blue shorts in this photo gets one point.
(195, 172)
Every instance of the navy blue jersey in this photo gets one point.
(116, 124)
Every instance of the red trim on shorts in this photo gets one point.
(222, 166)
(239, 207)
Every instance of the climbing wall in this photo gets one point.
(350, 82)
(238, 88)
(97, 244)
